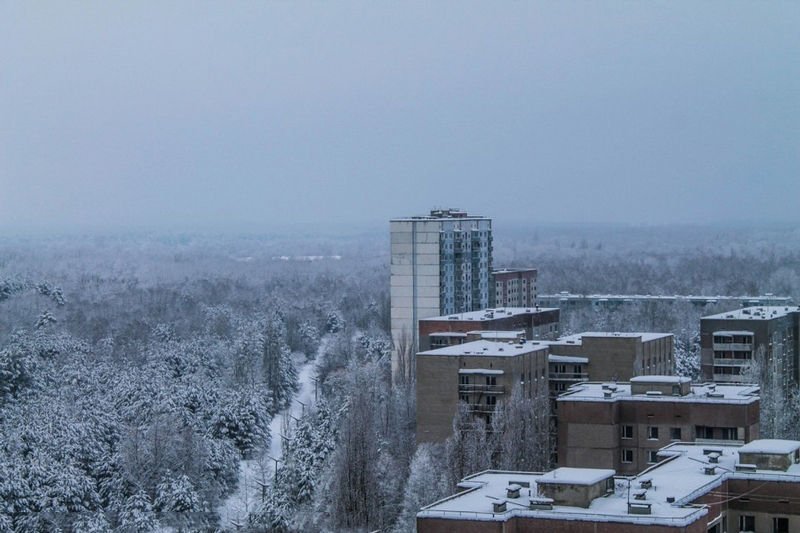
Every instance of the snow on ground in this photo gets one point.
(255, 473)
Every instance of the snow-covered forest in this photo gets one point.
(139, 373)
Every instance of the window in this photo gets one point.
(491, 380)
(652, 432)
(747, 523)
(464, 398)
(675, 433)
(652, 456)
(627, 455)
(780, 525)
(627, 432)
(704, 432)
(728, 433)
(463, 380)
(491, 400)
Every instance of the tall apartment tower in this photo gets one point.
(441, 264)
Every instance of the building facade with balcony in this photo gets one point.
(731, 342)
(440, 264)
(619, 356)
(481, 374)
(622, 425)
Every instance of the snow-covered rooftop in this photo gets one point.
(700, 393)
(682, 475)
(660, 379)
(577, 338)
(485, 315)
(575, 476)
(486, 348)
(552, 358)
(771, 446)
(723, 333)
(763, 312)
(497, 334)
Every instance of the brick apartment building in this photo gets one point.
(619, 356)
(479, 373)
(694, 488)
(514, 287)
(442, 378)
(729, 341)
(623, 425)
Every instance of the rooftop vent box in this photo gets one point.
(670, 499)
(541, 503)
(639, 508)
(512, 491)
(709, 470)
(499, 507)
(646, 483)
(743, 467)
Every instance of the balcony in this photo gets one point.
(481, 408)
(483, 389)
(728, 378)
(569, 376)
(727, 361)
(732, 347)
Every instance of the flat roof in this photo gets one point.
(733, 333)
(576, 339)
(771, 446)
(486, 348)
(690, 297)
(760, 312)
(575, 476)
(553, 358)
(484, 314)
(489, 334)
(660, 379)
(700, 393)
(681, 474)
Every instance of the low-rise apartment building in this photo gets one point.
(694, 488)
(514, 287)
(481, 374)
(623, 425)
(619, 355)
(730, 341)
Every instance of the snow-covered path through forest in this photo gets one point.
(254, 473)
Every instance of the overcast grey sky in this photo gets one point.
(252, 114)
